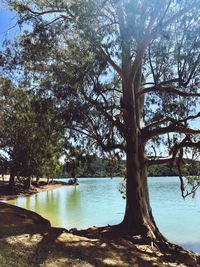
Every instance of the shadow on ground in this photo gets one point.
(26, 239)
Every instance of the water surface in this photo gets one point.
(97, 201)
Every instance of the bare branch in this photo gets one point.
(164, 15)
(186, 142)
(151, 66)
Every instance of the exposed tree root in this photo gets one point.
(170, 252)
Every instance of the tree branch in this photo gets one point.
(58, 18)
(112, 63)
(193, 70)
(147, 135)
(140, 54)
(26, 8)
(115, 122)
(178, 164)
(106, 148)
(83, 132)
(148, 37)
(177, 147)
(167, 89)
(154, 33)
(178, 15)
(111, 147)
(159, 161)
(153, 124)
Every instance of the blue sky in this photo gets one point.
(7, 22)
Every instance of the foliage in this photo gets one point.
(29, 137)
(103, 168)
(75, 161)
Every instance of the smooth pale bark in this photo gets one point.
(138, 217)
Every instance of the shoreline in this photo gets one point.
(44, 187)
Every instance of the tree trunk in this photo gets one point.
(138, 217)
(37, 180)
(28, 183)
(75, 181)
(12, 182)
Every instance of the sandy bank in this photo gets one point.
(21, 191)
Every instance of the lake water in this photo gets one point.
(98, 202)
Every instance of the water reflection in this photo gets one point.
(36, 202)
(90, 203)
(28, 203)
(73, 200)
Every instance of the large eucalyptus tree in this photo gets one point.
(127, 75)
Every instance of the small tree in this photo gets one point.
(30, 135)
(76, 161)
(3, 166)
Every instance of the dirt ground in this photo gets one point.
(27, 239)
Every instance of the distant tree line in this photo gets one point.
(99, 167)
(191, 168)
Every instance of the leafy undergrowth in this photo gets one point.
(26, 239)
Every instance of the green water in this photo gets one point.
(98, 202)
